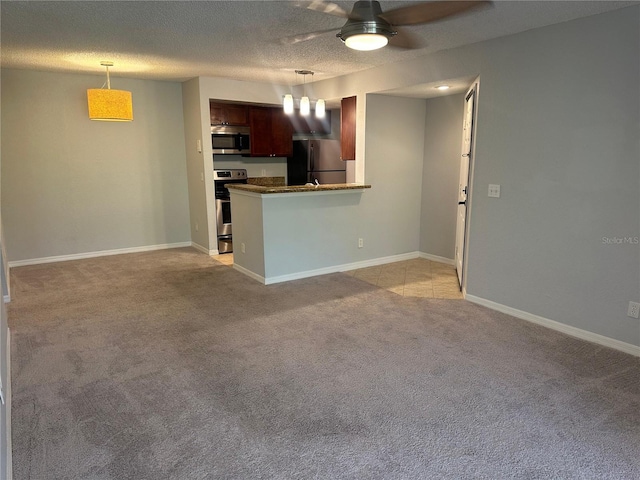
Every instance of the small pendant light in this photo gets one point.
(109, 105)
(320, 108)
(305, 105)
(287, 105)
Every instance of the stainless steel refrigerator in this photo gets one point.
(316, 160)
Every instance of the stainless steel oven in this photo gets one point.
(223, 205)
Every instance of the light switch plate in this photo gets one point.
(494, 191)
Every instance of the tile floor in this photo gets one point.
(410, 278)
(225, 259)
(413, 278)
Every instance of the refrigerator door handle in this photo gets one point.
(312, 163)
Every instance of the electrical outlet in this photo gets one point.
(360, 243)
(494, 191)
(634, 310)
(243, 249)
(197, 227)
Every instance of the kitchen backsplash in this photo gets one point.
(255, 166)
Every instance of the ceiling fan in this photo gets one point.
(369, 28)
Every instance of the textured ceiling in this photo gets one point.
(170, 40)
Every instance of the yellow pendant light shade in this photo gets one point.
(109, 105)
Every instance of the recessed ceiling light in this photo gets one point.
(442, 87)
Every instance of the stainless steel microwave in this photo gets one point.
(230, 140)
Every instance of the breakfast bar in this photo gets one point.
(271, 189)
(283, 233)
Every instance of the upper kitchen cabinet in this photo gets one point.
(348, 128)
(310, 124)
(271, 132)
(228, 114)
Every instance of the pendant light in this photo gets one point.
(320, 108)
(287, 105)
(109, 105)
(305, 103)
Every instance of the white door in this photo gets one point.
(463, 185)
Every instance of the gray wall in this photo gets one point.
(442, 149)
(558, 128)
(193, 129)
(389, 220)
(71, 185)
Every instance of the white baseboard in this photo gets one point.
(249, 273)
(374, 262)
(344, 267)
(202, 249)
(326, 270)
(560, 327)
(101, 253)
(436, 258)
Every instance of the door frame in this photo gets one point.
(475, 85)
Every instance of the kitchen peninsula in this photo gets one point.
(283, 233)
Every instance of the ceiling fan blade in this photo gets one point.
(327, 7)
(303, 37)
(406, 39)
(429, 12)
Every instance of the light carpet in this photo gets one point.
(168, 365)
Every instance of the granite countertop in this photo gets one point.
(267, 181)
(296, 188)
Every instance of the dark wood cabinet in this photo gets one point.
(281, 133)
(260, 141)
(348, 128)
(310, 124)
(271, 132)
(228, 114)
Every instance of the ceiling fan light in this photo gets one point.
(366, 41)
(320, 108)
(305, 107)
(287, 104)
